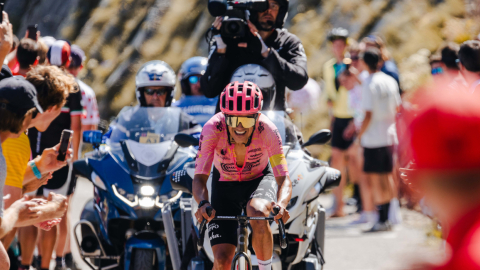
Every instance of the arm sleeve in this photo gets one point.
(206, 148)
(75, 100)
(216, 76)
(291, 68)
(273, 142)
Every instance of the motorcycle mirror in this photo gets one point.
(81, 168)
(185, 140)
(321, 137)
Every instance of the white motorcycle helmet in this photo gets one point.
(155, 73)
(261, 77)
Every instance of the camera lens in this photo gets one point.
(233, 27)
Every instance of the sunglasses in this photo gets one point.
(235, 121)
(193, 79)
(437, 70)
(151, 92)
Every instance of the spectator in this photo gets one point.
(90, 117)
(18, 101)
(387, 65)
(62, 183)
(306, 99)
(267, 44)
(447, 170)
(53, 87)
(469, 63)
(27, 56)
(342, 115)
(380, 100)
(42, 52)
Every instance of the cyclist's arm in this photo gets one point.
(284, 190)
(200, 191)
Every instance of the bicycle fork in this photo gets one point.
(242, 258)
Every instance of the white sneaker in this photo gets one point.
(394, 213)
(366, 217)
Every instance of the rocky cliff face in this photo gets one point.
(119, 35)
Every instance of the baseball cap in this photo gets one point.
(59, 53)
(78, 56)
(21, 95)
(444, 133)
(48, 40)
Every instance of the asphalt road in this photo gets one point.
(346, 246)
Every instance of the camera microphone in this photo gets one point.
(217, 7)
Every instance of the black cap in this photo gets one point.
(20, 95)
(78, 56)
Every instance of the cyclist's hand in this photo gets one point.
(282, 214)
(202, 213)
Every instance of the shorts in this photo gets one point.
(62, 182)
(378, 160)
(339, 126)
(230, 198)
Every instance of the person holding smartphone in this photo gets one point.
(61, 183)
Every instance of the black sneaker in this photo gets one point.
(70, 263)
(381, 227)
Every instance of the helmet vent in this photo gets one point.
(230, 105)
(255, 104)
(247, 105)
(249, 92)
(223, 101)
(239, 103)
(240, 88)
(231, 92)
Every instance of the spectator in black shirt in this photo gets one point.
(267, 44)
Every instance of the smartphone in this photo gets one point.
(32, 31)
(64, 144)
(1, 11)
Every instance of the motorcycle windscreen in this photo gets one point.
(288, 131)
(141, 138)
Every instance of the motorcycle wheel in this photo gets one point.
(143, 259)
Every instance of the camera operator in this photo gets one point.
(265, 43)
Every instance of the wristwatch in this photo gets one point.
(202, 203)
(35, 170)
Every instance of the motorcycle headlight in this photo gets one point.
(146, 202)
(125, 200)
(171, 197)
(313, 193)
(147, 190)
(97, 181)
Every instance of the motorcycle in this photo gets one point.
(136, 219)
(306, 227)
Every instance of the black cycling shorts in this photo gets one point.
(229, 199)
(378, 160)
(339, 126)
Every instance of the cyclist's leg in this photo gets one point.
(223, 254)
(260, 206)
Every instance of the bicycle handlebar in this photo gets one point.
(281, 226)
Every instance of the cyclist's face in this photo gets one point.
(267, 18)
(239, 133)
(156, 99)
(42, 121)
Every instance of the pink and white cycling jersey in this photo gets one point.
(266, 146)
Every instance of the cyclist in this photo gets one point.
(193, 101)
(241, 141)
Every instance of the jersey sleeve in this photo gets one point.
(75, 103)
(273, 142)
(206, 148)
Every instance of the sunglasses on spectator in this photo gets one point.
(235, 121)
(437, 70)
(193, 79)
(151, 92)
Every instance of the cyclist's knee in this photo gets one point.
(223, 258)
(258, 208)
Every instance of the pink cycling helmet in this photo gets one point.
(241, 98)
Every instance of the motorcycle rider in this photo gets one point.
(193, 101)
(241, 141)
(155, 85)
(266, 44)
